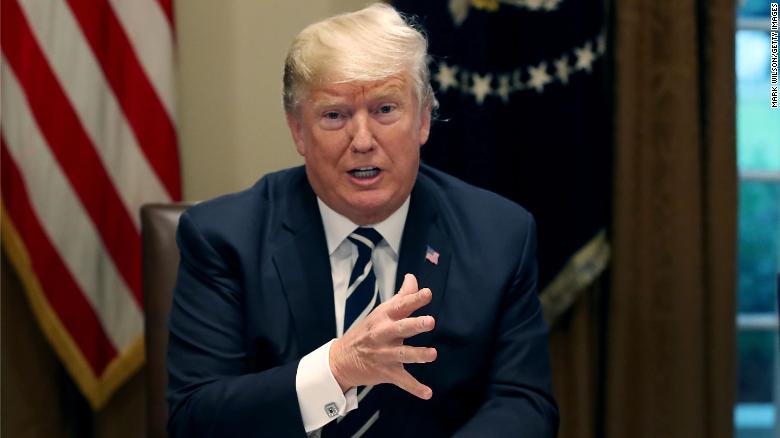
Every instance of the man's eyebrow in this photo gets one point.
(388, 91)
(332, 99)
(325, 99)
(325, 102)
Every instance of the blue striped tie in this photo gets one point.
(362, 293)
(362, 298)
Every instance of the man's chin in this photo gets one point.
(371, 208)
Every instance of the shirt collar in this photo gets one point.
(338, 227)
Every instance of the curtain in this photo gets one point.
(649, 350)
(577, 358)
(38, 396)
(670, 369)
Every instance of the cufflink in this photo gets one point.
(331, 409)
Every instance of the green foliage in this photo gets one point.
(756, 362)
(759, 243)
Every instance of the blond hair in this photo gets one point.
(371, 44)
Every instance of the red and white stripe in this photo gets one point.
(88, 136)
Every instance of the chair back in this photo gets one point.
(160, 264)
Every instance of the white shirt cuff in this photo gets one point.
(319, 394)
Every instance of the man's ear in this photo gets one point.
(425, 125)
(296, 129)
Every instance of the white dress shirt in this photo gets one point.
(317, 389)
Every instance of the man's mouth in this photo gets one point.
(364, 172)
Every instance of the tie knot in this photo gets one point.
(366, 236)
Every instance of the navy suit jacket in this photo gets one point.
(254, 294)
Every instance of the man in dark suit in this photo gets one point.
(284, 319)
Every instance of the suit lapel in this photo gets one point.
(424, 229)
(303, 264)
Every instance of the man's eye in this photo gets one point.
(332, 119)
(386, 109)
(332, 115)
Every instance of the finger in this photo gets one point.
(409, 285)
(409, 354)
(403, 306)
(408, 383)
(408, 327)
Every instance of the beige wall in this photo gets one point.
(230, 117)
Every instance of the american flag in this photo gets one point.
(88, 136)
(432, 255)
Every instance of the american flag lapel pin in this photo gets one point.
(432, 255)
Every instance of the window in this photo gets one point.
(757, 412)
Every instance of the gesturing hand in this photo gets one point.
(373, 351)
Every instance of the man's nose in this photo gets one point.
(362, 137)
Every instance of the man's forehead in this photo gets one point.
(346, 90)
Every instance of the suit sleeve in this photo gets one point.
(519, 397)
(210, 392)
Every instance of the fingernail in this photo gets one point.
(427, 393)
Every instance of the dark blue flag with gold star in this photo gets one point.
(524, 113)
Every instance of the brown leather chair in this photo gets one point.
(160, 263)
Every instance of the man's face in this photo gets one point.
(361, 145)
